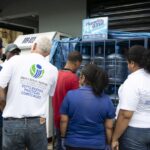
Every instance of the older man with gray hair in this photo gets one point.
(30, 80)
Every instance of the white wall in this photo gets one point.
(54, 15)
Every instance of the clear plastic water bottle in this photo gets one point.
(99, 58)
(85, 56)
(116, 66)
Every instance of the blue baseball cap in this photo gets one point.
(11, 47)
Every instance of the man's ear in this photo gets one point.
(83, 78)
(34, 47)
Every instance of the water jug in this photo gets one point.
(116, 66)
(99, 58)
(112, 91)
(85, 60)
(115, 99)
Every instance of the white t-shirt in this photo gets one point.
(134, 95)
(31, 81)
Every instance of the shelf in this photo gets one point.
(111, 56)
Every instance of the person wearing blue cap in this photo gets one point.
(10, 51)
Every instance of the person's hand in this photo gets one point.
(63, 144)
(108, 147)
(115, 145)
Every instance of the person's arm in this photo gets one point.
(109, 130)
(2, 98)
(63, 124)
(122, 122)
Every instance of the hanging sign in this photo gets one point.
(95, 29)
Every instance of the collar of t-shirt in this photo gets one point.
(136, 72)
(67, 69)
(38, 55)
(86, 87)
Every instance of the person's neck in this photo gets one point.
(44, 54)
(69, 67)
(136, 68)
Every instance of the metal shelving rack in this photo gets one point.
(110, 55)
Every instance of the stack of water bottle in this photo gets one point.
(86, 58)
(116, 66)
(99, 57)
(114, 62)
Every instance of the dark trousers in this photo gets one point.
(135, 139)
(59, 144)
(19, 134)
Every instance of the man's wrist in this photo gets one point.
(114, 139)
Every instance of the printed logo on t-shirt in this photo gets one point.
(36, 71)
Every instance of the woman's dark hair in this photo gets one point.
(95, 77)
(139, 55)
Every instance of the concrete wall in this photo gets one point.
(54, 15)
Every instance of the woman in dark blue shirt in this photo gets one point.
(87, 113)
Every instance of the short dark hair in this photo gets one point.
(15, 51)
(139, 55)
(75, 56)
(96, 77)
(135, 54)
